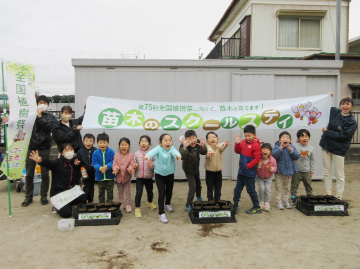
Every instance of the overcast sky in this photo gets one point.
(48, 33)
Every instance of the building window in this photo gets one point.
(356, 97)
(300, 29)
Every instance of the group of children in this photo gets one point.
(291, 165)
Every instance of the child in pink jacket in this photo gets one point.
(264, 175)
(144, 173)
(123, 168)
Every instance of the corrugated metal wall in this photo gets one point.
(208, 84)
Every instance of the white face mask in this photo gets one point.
(66, 117)
(43, 107)
(69, 155)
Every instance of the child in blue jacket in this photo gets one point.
(165, 154)
(250, 155)
(285, 154)
(102, 161)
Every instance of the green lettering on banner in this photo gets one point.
(285, 121)
(193, 121)
(110, 118)
(249, 119)
(171, 122)
(229, 122)
(134, 118)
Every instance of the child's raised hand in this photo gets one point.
(238, 139)
(132, 171)
(135, 166)
(270, 168)
(115, 170)
(151, 164)
(146, 157)
(209, 154)
(186, 144)
(34, 155)
(226, 144)
(178, 157)
(77, 162)
(202, 142)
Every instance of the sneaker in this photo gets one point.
(122, 207)
(267, 207)
(44, 200)
(236, 209)
(199, 199)
(187, 208)
(287, 204)
(280, 206)
(163, 218)
(137, 213)
(53, 210)
(152, 205)
(27, 202)
(254, 210)
(293, 200)
(128, 209)
(328, 192)
(262, 205)
(168, 208)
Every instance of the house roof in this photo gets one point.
(327, 55)
(226, 19)
(354, 41)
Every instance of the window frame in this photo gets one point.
(300, 15)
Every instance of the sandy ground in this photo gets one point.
(279, 239)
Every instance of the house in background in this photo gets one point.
(279, 28)
(354, 45)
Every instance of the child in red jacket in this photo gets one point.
(265, 170)
(250, 155)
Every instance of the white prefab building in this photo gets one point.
(205, 81)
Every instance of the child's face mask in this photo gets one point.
(69, 155)
(43, 107)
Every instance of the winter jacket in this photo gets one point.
(250, 156)
(285, 160)
(143, 170)
(337, 138)
(101, 158)
(64, 134)
(85, 156)
(165, 159)
(65, 174)
(191, 159)
(125, 163)
(263, 170)
(41, 133)
(216, 163)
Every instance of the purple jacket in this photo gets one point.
(143, 170)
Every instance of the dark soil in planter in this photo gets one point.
(322, 202)
(108, 205)
(116, 204)
(340, 202)
(226, 207)
(329, 197)
(312, 196)
(321, 197)
(82, 210)
(197, 203)
(222, 202)
(211, 203)
(314, 201)
(103, 209)
(90, 205)
(112, 209)
(197, 207)
(205, 203)
(216, 207)
(100, 205)
(91, 209)
(333, 202)
(208, 207)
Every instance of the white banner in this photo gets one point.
(65, 197)
(20, 89)
(310, 112)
